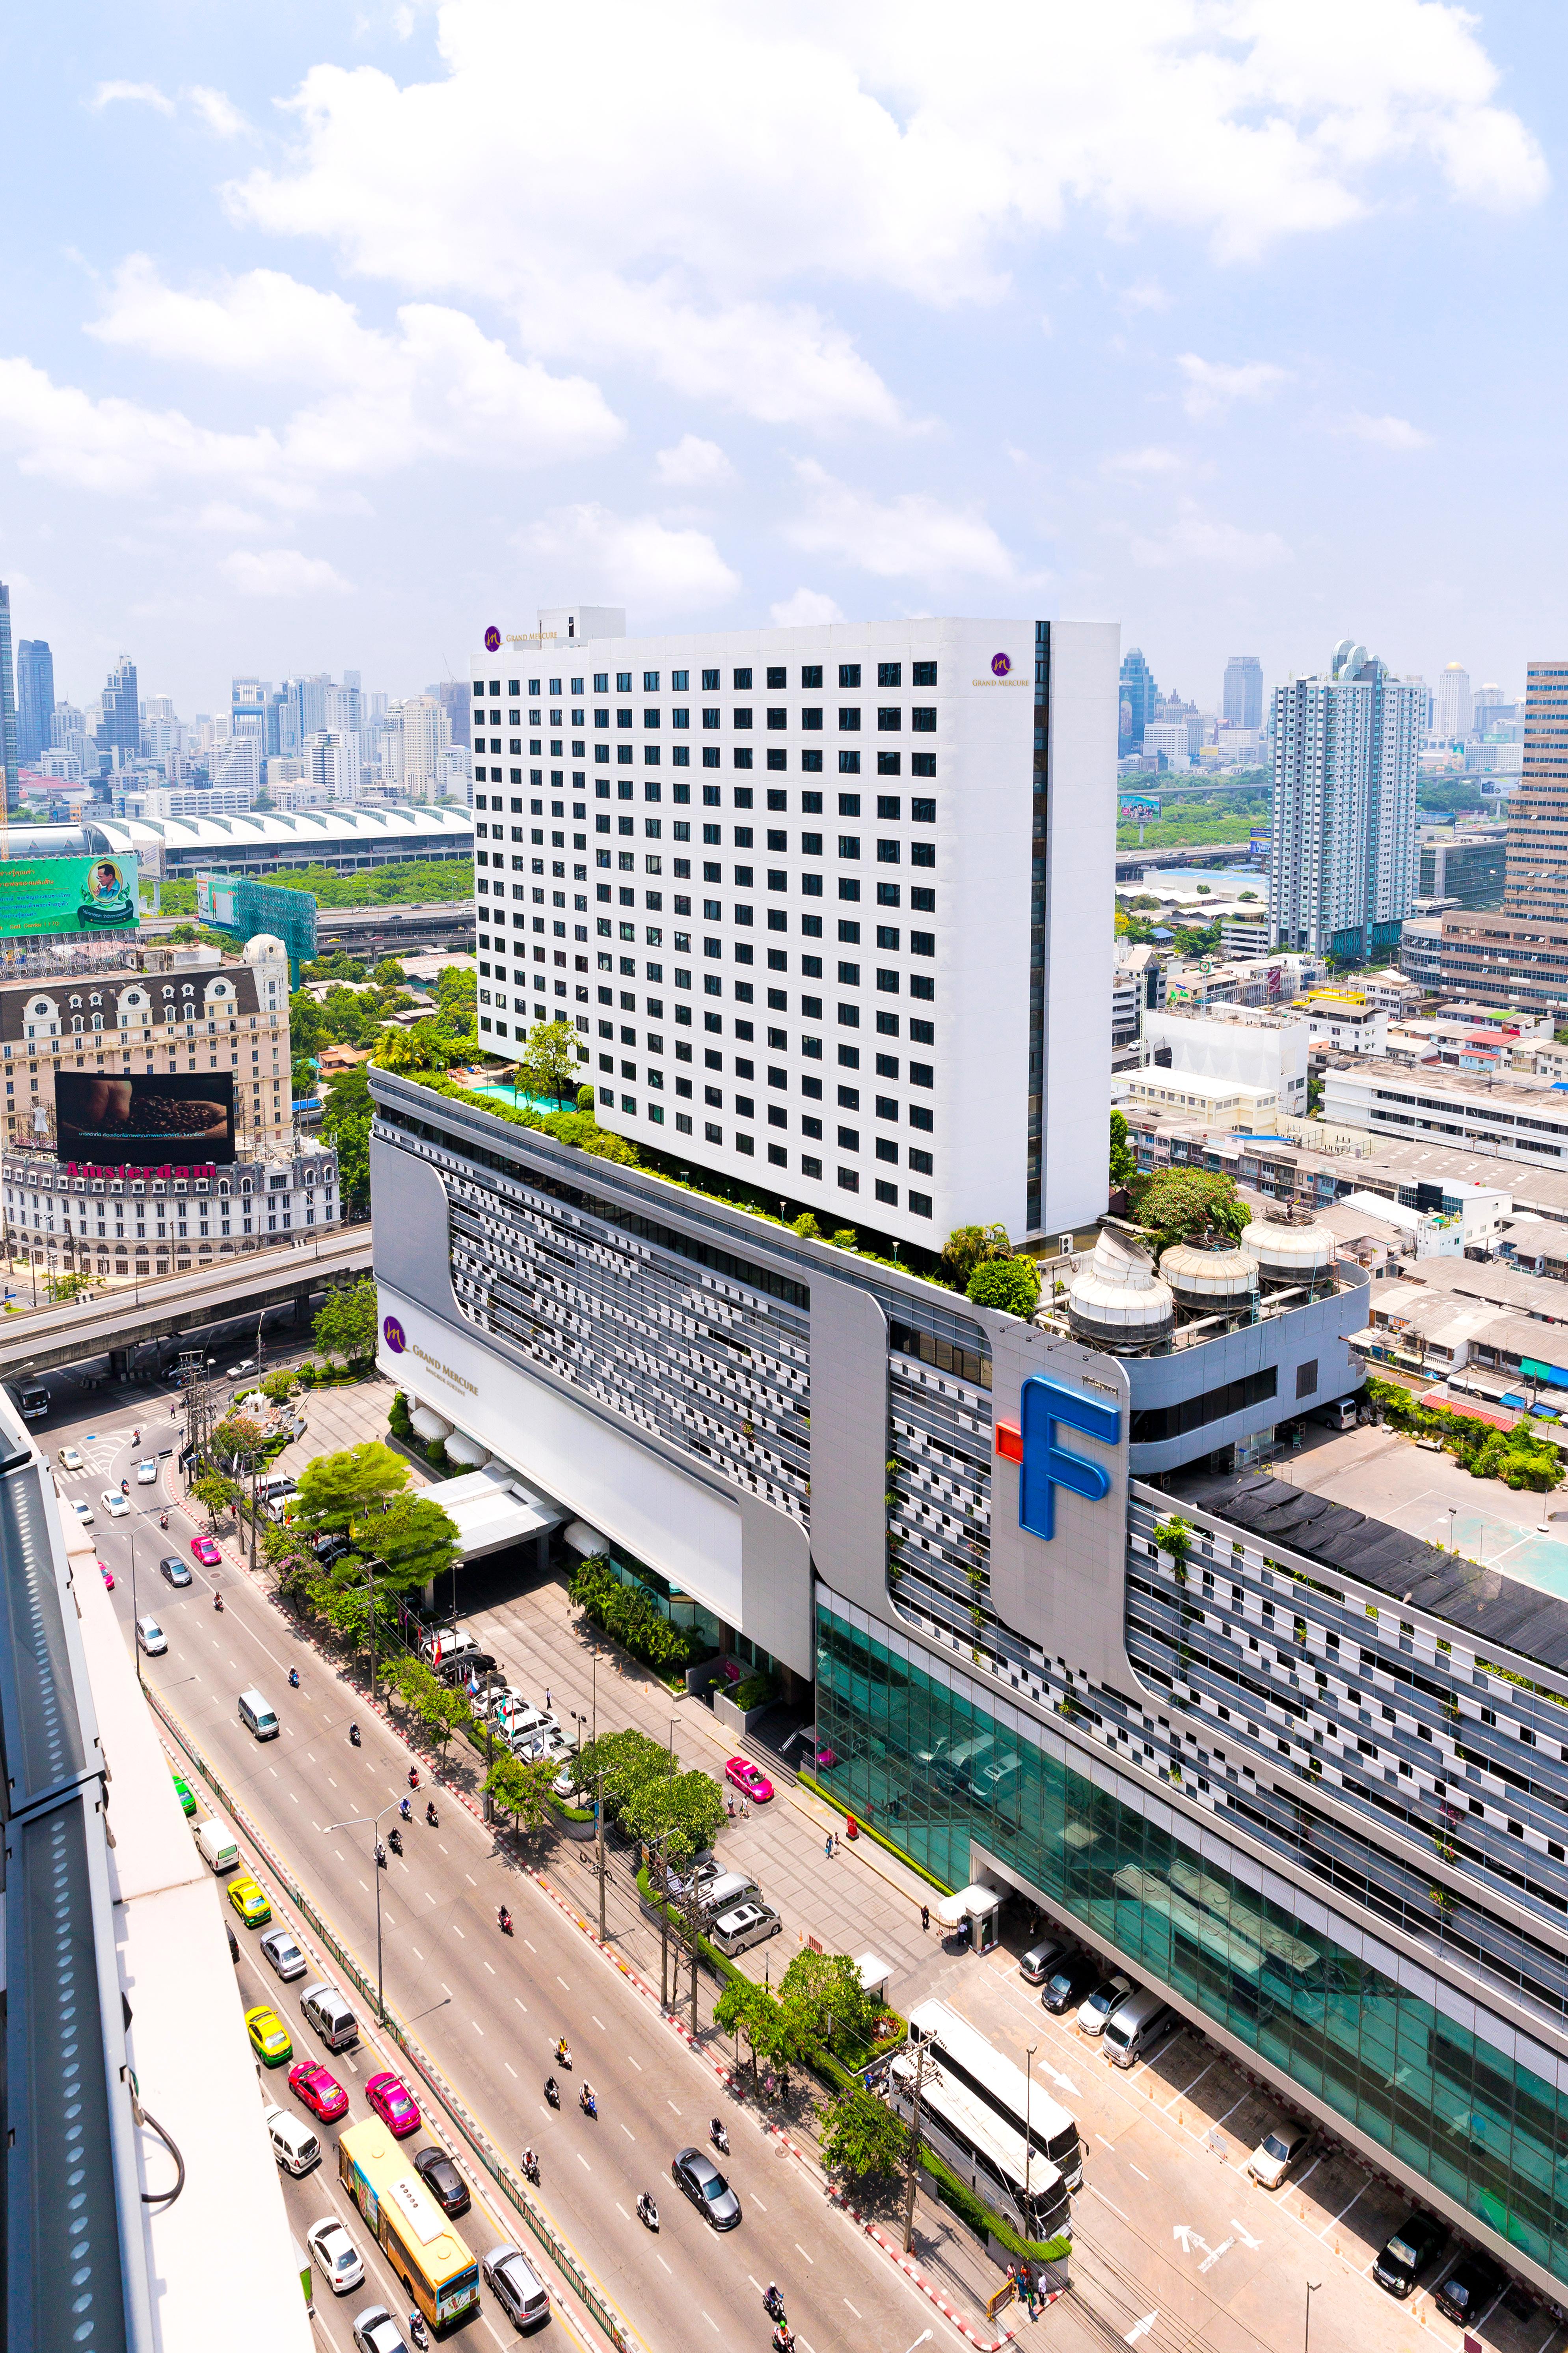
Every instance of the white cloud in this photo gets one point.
(1387, 432)
(437, 388)
(586, 551)
(1145, 296)
(877, 147)
(130, 93)
(911, 537)
(694, 464)
(1196, 538)
(808, 608)
(1213, 385)
(281, 572)
(1143, 464)
(218, 112)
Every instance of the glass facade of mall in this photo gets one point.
(1441, 2085)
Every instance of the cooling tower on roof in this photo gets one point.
(1288, 1256)
(1118, 1301)
(1206, 1281)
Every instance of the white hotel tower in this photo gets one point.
(828, 907)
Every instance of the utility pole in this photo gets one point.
(913, 2161)
(663, 1929)
(489, 1747)
(691, 1942)
(600, 1811)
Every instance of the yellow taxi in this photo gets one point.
(249, 1902)
(269, 2036)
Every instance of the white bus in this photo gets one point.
(980, 2147)
(994, 2079)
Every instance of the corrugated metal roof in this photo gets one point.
(284, 830)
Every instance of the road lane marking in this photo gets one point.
(712, 2322)
(1244, 2234)
(478, 2029)
(511, 2070)
(1104, 2200)
(1214, 2253)
(634, 2062)
(365, 1884)
(521, 2005)
(671, 2104)
(488, 1966)
(801, 2251)
(1103, 2142)
(447, 1989)
(439, 1843)
(1137, 2170)
(598, 2022)
(583, 2162)
(629, 2132)
(457, 1932)
(561, 1982)
(291, 1794)
(660, 2259)
(621, 2210)
(859, 2315)
(473, 1881)
(531, 1947)
(1141, 2327)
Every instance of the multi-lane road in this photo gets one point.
(487, 2009)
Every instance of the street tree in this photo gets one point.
(346, 1326)
(629, 1761)
(822, 1998)
(239, 1441)
(416, 1539)
(337, 1494)
(861, 2139)
(520, 1785)
(749, 2012)
(440, 1711)
(215, 1493)
(681, 1814)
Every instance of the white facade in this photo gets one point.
(1266, 1051)
(417, 736)
(1342, 854)
(234, 762)
(334, 765)
(796, 923)
(1456, 1111)
(1455, 712)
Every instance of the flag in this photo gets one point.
(435, 1653)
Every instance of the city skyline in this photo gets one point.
(343, 349)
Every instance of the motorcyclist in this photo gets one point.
(720, 2137)
(414, 1776)
(587, 2101)
(773, 2303)
(430, 1815)
(293, 1678)
(354, 1735)
(530, 2165)
(404, 1810)
(553, 2091)
(163, 1519)
(380, 1855)
(417, 2329)
(564, 2053)
(647, 2210)
(504, 1917)
(218, 1602)
(395, 1839)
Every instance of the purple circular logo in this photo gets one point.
(492, 639)
(1000, 665)
(396, 1338)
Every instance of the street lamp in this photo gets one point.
(1029, 2051)
(357, 1822)
(1312, 2287)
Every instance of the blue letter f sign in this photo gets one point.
(1046, 1407)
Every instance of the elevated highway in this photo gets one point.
(119, 1324)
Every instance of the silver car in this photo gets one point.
(515, 2286)
(284, 1953)
(375, 2331)
(695, 2173)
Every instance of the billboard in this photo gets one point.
(152, 1116)
(45, 897)
(1138, 808)
(217, 900)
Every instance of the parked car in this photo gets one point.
(1406, 2255)
(395, 2104)
(748, 1924)
(515, 2285)
(1468, 2289)
(335, 2255)
(1093, 2011)
(454, 1671)
(186, 1796)
(695, 2174)
(173, 1569)
(1071, 1979)
(443, 2180)
(1042, 1960)
(750, 1779)
(284, 1953)
(1278, 2152)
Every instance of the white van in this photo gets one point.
(218, 1849)
(743, 1925)
(258, 1716)
(294, 2145)
(1135, 2026)
(724, 1894)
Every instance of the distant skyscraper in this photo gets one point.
(1537, 874)
(7, 701)
(1243, 705)
(1139, 695)
(452, 694)
(1343, 868)
(1456, 713)
(121, 727)
(34, 699)
(248, 707)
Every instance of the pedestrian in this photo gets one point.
(925, 1919)
(828, 1845)
(547, 1699)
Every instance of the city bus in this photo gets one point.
(422, 2247)
(985, 2153)
(1020, 2103)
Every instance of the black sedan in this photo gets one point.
(174, 1569)
(1468, 2289)
(699, 2177)
(443, 2180)
(1069, 1981)
(1408, 2253)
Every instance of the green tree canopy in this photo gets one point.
(346, 1123)
(682, 1814)
(822, 1998)
(968, 1247)
(1180, 1204)
(238, 1441)
(424, 1046)
(750, 2010)
(215, 1493)
(1123, 1166)
(521, 1787)
(415, 1538)
(1010, 1283)
(629, 1761)
(548, 1065)
(348, 1322)
(861, 2139)
(343, 1492)
(390, 974)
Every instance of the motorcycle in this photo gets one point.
(530, 2166)
(217, 1602)
(503, 1918)
(136, 1438)
(553, 2091)
(125, 1486)
(588, 2104)
(293, 1678)
(163, 1519)
(563, 2054)
(395, 1841)
(774, 2304)
(431, 1816)
(404, 1810)
(647, 2210)
(379, 1856)
(414, 1776)
(784, 2339)
(719, 2138)
(353, 1735)
(418, 2334)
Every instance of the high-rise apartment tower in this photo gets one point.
(34, 699)
(1243, 704)
(1343, 861)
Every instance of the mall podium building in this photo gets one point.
(1304, 1774)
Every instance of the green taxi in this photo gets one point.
(249, 1902)
(269, 2038)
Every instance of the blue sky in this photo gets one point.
(335, 334)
